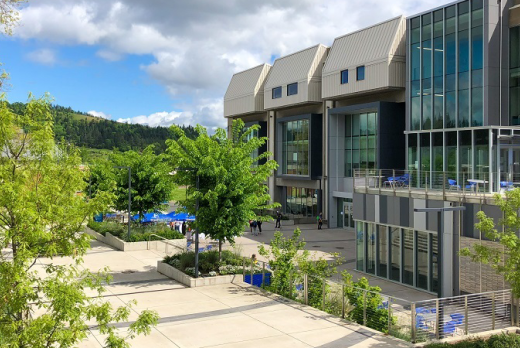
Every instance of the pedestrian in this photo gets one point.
(171, 225)
(251, 225)
(183, 228)
(278, 219)
(253, 259)
(254, 224)
(320, 221)
(259, 226)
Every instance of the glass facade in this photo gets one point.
(301, 201)
(295, 147)
(446, 61)
(398, 254)
(360, 142)
(256, 152)
(514, 75)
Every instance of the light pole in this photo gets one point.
(196, 229)
(129, 195)
(445, 252)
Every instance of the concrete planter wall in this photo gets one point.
(178, 244)
(174, 273)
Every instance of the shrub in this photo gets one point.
(138, 233)
(208, 262)
(495, 341)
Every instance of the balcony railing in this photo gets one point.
(431, 182)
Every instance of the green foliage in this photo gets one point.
(495, 341)
(84, 130)
(504, 260)
(231, 181)
(41, 216)
(230, 262)
(377, 316)
(138, 233)
(151, 181)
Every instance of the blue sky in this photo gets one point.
(160, 62)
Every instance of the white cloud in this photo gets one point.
(43, 56)
(197, 45)
(99, 114)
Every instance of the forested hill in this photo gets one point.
(85, 130)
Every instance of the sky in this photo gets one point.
(160, 62)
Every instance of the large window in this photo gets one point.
(251, 135)
(371, 248)
(360, 142)
(344, 76)
(292, 89)
(382, 261)
(514, 76)
(360, 246)
(446, 81)
(277, 92)
(395, 254)
(295, 147)
(302, 201)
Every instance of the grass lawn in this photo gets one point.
(179, 193)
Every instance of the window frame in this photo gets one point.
(292, 84)
(273, 92)
(341, 77)
(358, 69)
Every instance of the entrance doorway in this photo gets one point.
(348, 219)
(509, 165)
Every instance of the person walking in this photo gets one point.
(259, 222)
(183, 228)
(254, 224)
(251, 225)
(278, 219)
(320, 221)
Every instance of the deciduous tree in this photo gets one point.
(41, 216)
(231, 181)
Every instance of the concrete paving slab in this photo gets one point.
(219, 331)
(281, 341)
(160, 298)
(292, 320)
(147, 285)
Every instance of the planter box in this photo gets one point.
(173, 244)
(183, 278)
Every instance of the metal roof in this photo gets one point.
(367, 45)
(294, 67)
(247, 82)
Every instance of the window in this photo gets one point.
(277, 92)
(301, 201)
(360, 142)
(344, 76)
(295, 147)
(292, 89)
(360, 73)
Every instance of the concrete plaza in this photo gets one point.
(233, 315)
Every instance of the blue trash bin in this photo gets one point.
(98, 217)
(257, 279)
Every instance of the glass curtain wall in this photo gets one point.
(514, 76)
(360, 142)
(301, 201)
(446, 79)
(397, 254)
(295, 147)
(255, 153)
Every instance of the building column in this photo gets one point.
(271, 127)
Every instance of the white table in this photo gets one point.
(477, 181)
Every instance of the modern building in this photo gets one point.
(411, 113)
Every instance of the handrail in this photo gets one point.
(166, 241)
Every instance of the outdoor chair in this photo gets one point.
(507, 185)
(453, 185)
(449, 328)
(201, 250)
(390, 181)
(404, 180)
(421, 310)
(209, 247)
(458, 318)
(472, 186)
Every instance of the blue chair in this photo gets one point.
(421, 310)
(390, 181)
(449, 327)
(472, 186)
(209, 247)
(384, 305)
(508, 185)
(299, 287)
(453, 185)
(404, 180)
(457, 318)
(201, 250)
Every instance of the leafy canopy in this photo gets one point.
(504, 260)
(42, 302)
(231, 180)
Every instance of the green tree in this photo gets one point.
(41, 215)
(151, 180)
(231, 180)
(504, 260)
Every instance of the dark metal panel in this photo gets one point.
(383, 209)
(370, 213)
(358, 206)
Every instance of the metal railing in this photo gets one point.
(166, 241)
(419, 321)
(432, 182)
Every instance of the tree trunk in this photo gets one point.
(220, 250)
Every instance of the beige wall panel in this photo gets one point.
(397, 74)
(238, 106)
(315, 91)
(300, 110)
(301, 97)
(376, 77)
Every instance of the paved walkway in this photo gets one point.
(326, 241)
(226, 316)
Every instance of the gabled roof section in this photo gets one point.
(294, 67)
(247, 82)
(364, 46)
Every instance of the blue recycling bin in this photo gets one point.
(98, 217)
(257, 279)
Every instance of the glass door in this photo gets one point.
(509, 166)
(348, 219)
